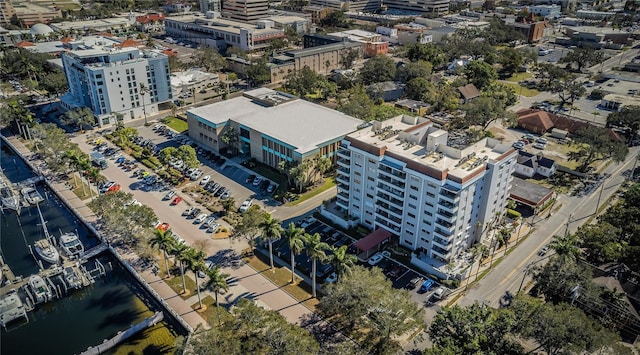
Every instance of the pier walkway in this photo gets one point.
(94, 251)
(122, 336)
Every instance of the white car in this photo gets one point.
(205, 180)
(376, 259)
(333, 277)
(195, 175)
(213, 228)
(209, 265)
(200, 218)
(245, 205)
(209, 221)
(188, 211)
(257, 181)
(106, 186)
(169, 195)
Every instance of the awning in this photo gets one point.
(373, 239)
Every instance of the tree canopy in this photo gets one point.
(430, 53)
(306, 81)
(480, 73)
(378, 69)
(628, 119)
(594, 144)
(582, 57)
(208, 58)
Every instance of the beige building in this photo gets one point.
(245, 10)
(29, 13)
(6, 11)
(321, 59)
(272, 126)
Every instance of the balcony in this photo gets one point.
(381, 222)
(446, 215)
(442, 233)
(449, 196)
(343, 162)
(387, 207)
(443, 244)
(391, 171)
(394, 182)
(344, 153)
(391, 190)
(343, 195)
(389, 217)
(343, 204)
(342, 179)
(388, 198)
(439, 252)
(446, 205)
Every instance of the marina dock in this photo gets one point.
(122, 336)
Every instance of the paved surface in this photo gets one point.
(510, 273)
(245, 281)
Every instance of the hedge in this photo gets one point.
(513, 214)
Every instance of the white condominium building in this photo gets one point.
(109, 80)
(419, 6)
(402, 176)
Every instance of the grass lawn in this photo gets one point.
(518, 77)
(176, 284)
(521, 90)
(328, 183)
(267, 172)
(211, 313)
(282, 277)
(78, 189)
(175, 123)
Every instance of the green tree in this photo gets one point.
(580, 58)
(231, 137)
(335, 19)
(304, 82)
(80, 117)
(482, 111)
(594, 144)
(412, 70)
(569, 89)
(188, 155)
(348, 58)
(511, 60)
(208, 58)
(556, 280)
(144, 90)
(17, 115)
(419, 89)
(430, 53)
(378, 69)
(341, 260)
(566, 248)
(315, 249)
(258, 72)
(51, 142)
(628, 119)
(480, 74)
(217, 283)
(550, 74)
(164, 241)
(355, 102)
(254, 330)
(271, 232)
(55, 83)
(477, 329)
(601, 242)
(364, 304)
(294, 238)
(181, 253)
(247, 227)
(195, 263)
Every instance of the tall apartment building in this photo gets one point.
(108, 80)
(348, 5)
(402, 176)
(419, 6)
(209, 5)
(245, 10)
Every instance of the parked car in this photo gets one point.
(188, 211)
(106, 186)
(176, 200)
(200, 218)
(209, 265)
(226, 194)
(538, 146)
(333, 277)
(426, 286)
(257, 181)
(205, 180)
(213, 228)
(195, 175)
(518, 145)
(395, 272)
(169, 195)
(271, 188)
(113, 189)
(209, 221)
(245, 205)
(250, 178)
(415, 282)
(438, 293)
(543, 251)
(194, 213)
(220, 191)
(375, 259)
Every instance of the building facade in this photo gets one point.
(245, 10)
(402, 176)
(440, 7)
(271, 126)
(110, 81)
(348, 5)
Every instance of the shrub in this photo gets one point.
(137, 155)
(513, 214)
(155, 161)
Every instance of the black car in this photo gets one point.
(194, 213)
(250, 178)
(264, 185)
(209, 185)
(220, 191)
(344, 241)
(221, 161)
(214, 187)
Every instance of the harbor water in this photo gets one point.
(82, 318)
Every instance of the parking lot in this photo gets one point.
(400, 276)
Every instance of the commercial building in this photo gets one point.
(245, 10)
(548, 11)
(372, 43)
(113, 25)
(272, 126)
(192, 80)
(213, 31)
(28, 12)
(435, 7)
(110, 81)
(437, 197)
(210, 5)
(348, 5)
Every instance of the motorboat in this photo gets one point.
(11, 308)
(71, 277)
(31, 195)
(71, 244)
(40, 289)
(44, 247)
(9, 199)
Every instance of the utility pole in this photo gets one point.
(604, 180)
(566, 229)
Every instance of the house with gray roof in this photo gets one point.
(531, 164)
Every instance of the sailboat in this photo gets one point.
(9, 198)
(44, 247)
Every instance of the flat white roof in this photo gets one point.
(299, 123)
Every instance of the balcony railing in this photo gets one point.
(443, 232)
(388, 216)
(387, 225)
(388, 198)
(344, 195)
(447, 205)
(389, 208)
(389, 189)
(394, 182)
(444, 254)
(391, 171)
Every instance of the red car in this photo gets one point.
(163, 227)
(112, 189)
(176, 200)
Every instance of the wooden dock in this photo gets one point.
(94, 251)
(122, 336)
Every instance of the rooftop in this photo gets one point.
(114, 22)
(221, 24)
(416, 139)
(286, 118)
(529, 193)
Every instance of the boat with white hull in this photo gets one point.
(9, 198)
(11, 308)
(44, 247)
(31, 195)
(41, 291)
(72, 278)
(71, 244)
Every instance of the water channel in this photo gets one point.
(84, 317)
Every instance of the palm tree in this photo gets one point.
(295, 241)
(143, 91)
(85, 165)
(271, 232)
(165, 242)
(195, 262)
(566, 247)
(73, 159)
(315, 249)
(341, 260)
(181, 253)
(217, 283)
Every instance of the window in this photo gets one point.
(431, 195)
(413, 206)
(415, 188)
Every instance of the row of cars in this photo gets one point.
(208, 222)
(538, 142)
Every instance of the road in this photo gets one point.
(575, 211)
